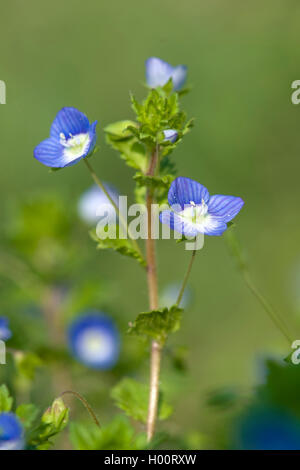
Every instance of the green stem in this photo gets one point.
(236, 251)
(185, 280)
(85, 404)
(121, 218)
(156, 349)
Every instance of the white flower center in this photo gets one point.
(95, 346)
(195, 213)
(74, 146)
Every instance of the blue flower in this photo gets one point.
(268, 428)
(171, 135)
(11, 432)
(5, 332)
(94, 340)
(158, 73)
(93, 199)
(195, 211)
(72, 138)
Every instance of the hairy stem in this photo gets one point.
(121, 218)
(156, 348)
(185, 280)
(85, 404)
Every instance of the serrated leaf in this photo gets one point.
(157, 324)
(132, 397)
(120, 245)
(27, 413)
(6, 400)
(120, 130)
(154, 182)
(131, 151)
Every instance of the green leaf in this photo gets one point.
(132, 397)
(122, 246)
(27, 413)
(6, 400)
(120, 130)
(154, 182)
(130, 149)
(119, 434)
(157, 324)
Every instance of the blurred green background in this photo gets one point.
(242, 58)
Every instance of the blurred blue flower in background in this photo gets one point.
(5, 332)
(171, 135)
(72, 138)
(159, 72)
(195, 211)
(93, 199)
(265, 428)
(11, 432)
(94, 340)
(170, 293)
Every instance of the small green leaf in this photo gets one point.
(6, 400)
(157, 324)
(120, 130)
(118, 434)
(130, 149)
(132, 397)
(154, 182)
(122, 246)
(27, 413)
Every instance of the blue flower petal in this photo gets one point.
(69, 121)
(170, 135)
(159, 72)
(50, 153)
(179, 76)
(93, 137)
(94, 340)
(11, 432)
(5, 332)
(178, 224)
(226, 207)
(184, 190)
(214, 227)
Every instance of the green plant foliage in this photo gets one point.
(132, 397)
(157, 324)
(122, 246)
(6, 401)
(53, 421)
(118, 434)
(27, 413)
(120, 138)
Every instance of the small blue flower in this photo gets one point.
(11, 432)
(72, 138)
(158, 73)
(94, 340)
(171, 135)
(5, 332)
(268, 428)
(91, 201)
(195, 211)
